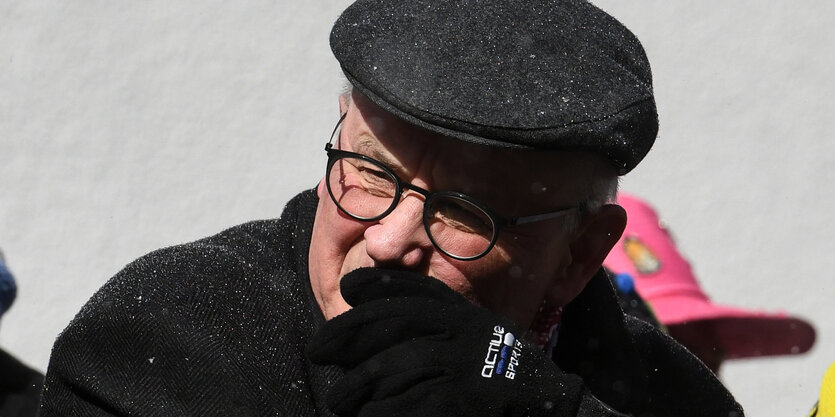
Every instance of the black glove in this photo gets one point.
(411, 346)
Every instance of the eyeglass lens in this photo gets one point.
(367, 190)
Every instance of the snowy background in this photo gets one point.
(128, 126)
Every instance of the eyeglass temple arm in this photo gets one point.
(335, 128)
(539, 217)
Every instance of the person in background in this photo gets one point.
(630, 301)
(20, 385)
(662, 276)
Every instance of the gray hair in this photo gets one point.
(601, 189)
(347, 89)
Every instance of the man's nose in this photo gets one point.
(399, 239)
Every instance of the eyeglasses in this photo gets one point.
(460, 227)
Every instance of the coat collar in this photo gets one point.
(595, 344)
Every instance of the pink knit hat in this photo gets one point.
(664, 279)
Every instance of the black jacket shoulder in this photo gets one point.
(212, 327)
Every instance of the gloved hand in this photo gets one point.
(411, 346)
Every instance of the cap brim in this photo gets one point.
(740, 333)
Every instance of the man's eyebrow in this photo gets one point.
(371, 148)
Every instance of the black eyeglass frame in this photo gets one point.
(496, 219)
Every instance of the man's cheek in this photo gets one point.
(355, 257)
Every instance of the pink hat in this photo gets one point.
(664, 279)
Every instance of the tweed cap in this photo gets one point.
(526, 74)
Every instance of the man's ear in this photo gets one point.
(343, 103)
(595, 236)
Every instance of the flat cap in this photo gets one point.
(526, 74)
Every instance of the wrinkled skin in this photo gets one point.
(530, 264)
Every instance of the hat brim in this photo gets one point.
(740, 333)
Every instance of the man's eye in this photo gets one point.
(376, 182)
(462, 217)
(377, 174)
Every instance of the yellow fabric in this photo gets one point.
(826, 404)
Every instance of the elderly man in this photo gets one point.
(448, 263)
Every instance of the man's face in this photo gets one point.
(525, 267)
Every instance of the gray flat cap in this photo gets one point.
(527, 74)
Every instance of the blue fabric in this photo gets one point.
(625, 283)
(8, 289)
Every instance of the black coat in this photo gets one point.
(218, 327)
(20, 387)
